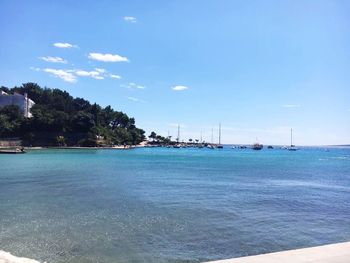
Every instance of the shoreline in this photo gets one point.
(331, 253)
(76, 147)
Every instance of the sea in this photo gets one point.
(171, 205)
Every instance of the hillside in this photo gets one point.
(61, 120)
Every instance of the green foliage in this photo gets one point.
(60, 140)
(158, 139)
(60, 119)
(11, 119)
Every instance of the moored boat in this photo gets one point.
(292, 146)
(219, 146)
(12, 151)
(257, 146)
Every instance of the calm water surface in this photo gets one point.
(171, 205)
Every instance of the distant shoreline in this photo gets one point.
(129, 147)
(76, 147)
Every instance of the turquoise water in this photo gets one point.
(171, 205)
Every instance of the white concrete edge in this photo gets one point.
(333, 253)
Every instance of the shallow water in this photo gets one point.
(171, 205)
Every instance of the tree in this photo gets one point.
(57, 113)
(152, 136)
(60, 140)
(82, 121)
(11, 118)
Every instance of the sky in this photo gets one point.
(258, 67)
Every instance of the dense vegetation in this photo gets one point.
(59, 119)
(156, 139)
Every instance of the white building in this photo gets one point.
(22, 101)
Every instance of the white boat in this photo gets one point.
(13, 151)
(211, 145)
(292, 146)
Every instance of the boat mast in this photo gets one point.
(201, 137)
(291, 137)
(219, 133)
(212, 135)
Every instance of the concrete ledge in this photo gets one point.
(334, 253)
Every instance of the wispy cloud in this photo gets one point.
(133, 99)
(130, 19)
(64, 45)
(132, 85)
(34, 68)
(291, 106)
(100, 70)
(98, 73)
(65, 75)
(72, 75)
(53, 59)
(136, 99)
(92, 74)
(179, 88)
(113, 76)
(107, 57)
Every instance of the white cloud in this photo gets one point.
(107, 57)
(64, 45)
(133, 99)
(132, 85)
(71, 75)
(66, 75)
(91, 74)
(101, 70)
(130, 19)
(113, 76)
(291, 106)
(84, 73)
(53, 59)
(180, 88)
(136, 99)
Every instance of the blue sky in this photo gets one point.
(258, 67)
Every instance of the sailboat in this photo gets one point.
(292, 147)
(201, 141)
(257, 146)
(177, 145)
(220, 146)
(211, 146)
